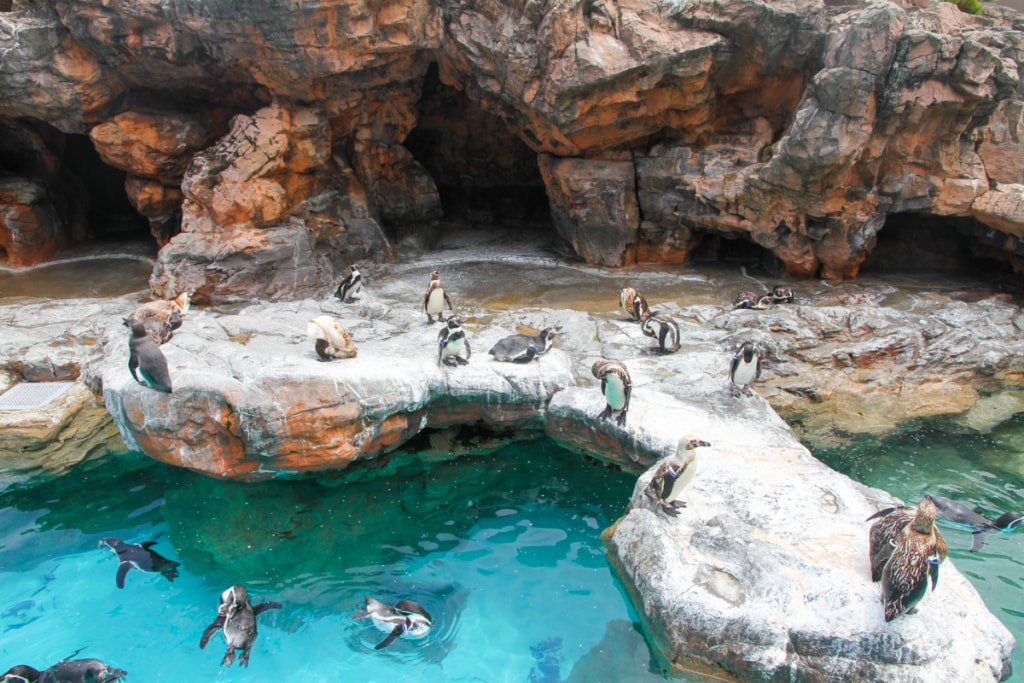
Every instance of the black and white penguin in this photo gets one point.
(616, 387)
(81, 671)
(782, 294)
(405, 617)
(236, 619)
(20, 674)
(663, 328)
(979, 524)
(745, 368)
(435, 298)
(673, 474)
(633, 304)
(917, 551)
(144, 354)
(350, 286)
(522, 348)
(752, 300)
(452, 345)
(330, 339)
(139, 556)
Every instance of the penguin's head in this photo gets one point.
(20, 674)
(232, 599)
(1008, 520)
(434, 275)
(694, 442)
(453, 323)
(550, 332)
(109, 542)
(354, 268)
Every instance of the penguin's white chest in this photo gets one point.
(680, 476)
(454, 347)
(354, 289)
(435, 302)
(745, 372)
(615, 392)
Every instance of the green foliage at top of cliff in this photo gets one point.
(969, 6)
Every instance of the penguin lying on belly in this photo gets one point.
(522, 348)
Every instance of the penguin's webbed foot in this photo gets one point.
(461, 361)
(605, 414)
(229, 657)
(747, 391)
(621, 419)
(735, 390)
(243, 659)
(672, 509)
(430, 320)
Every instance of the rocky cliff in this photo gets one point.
(267, 144)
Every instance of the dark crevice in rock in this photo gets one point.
(108, 213)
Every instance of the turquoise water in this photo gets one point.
(503, 550)
(983, 471)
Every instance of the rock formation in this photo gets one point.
(803, 128)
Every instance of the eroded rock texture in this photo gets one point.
(798, 126)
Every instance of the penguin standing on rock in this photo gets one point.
(673, 474)
(330, 339)
(663, 328)
(522, 348)
(404, 617)
(435, 298)
(616, 387)
(634, 304)
(81, 671)
(145, 355)
(915, 552)
(236, 618)
(139, 556)
(452, 343)
(350, 286)
(745, 368)
(782, 294)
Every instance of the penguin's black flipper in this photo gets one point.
(391, 637)
(148, 544)
(933, 572)
(666, 482)
(133, 363)
(264, 606)
(122, 571)
(978, 539)
(215, 625)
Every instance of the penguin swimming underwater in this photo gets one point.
(616, 387)
(452, 342)
(980, 525)
(404, 617)
(745, 368)
(144, 354)
(673, 474)
(522, 348)
(350, 286)
(236, 618)
(20, 674)
(81, 671)
(663, 328)
(782, 294)
(330, 339)
(633, 304)
(139, 556)
(752, 300)
(917, 551)
(435, 298)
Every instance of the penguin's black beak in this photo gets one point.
(697, 443)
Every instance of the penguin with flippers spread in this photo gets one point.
(236, 619)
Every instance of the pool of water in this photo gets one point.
(98, 277)
(983, 471)
(503, 550)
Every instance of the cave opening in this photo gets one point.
(949, 244)
(107, 213)
(484, 173)
(734, 250)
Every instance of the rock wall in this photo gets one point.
(797, 126)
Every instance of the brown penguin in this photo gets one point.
(634, 304)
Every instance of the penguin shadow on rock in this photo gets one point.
(139, 556)
(979, 525)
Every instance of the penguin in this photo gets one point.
(452, 342)
(782, 294)
(165, 309)
(81, 671)
(404, 617)
(20, 674)
(330, 339)
(634, 304)
(236, 618)
(673, 474)
(139, 556)
(663, 328)
(917, 551)
(158, 329)
(145, 355)
(745, 368)
(752, 300)
(350, 286)
(889, 522)
(980, 525)
(522, 348)
(435, 298)
(616, 387)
